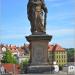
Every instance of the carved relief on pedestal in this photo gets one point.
(38, 54)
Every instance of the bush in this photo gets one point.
(8, 58)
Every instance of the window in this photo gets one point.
(62, 56)
(57, 56)
(62, 60)
(57, 61)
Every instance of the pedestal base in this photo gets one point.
(40, 69)
(39, 53)
(39, 48)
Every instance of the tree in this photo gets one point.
(8, 58)
(70, 54)
(24, 66)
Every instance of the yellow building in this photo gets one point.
(58, 54)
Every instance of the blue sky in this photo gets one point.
(14, 24)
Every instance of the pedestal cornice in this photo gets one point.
(38, 37)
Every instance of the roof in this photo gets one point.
(55, 47)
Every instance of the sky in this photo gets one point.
(14, 24)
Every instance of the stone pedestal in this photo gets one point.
(39, 53)
(39, 69)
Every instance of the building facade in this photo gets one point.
(58, 54)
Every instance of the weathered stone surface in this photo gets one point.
(39, 37)
(36, 11)
(39, 53)
(44, 69)
(39, 48)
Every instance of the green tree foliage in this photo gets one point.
(24, 66)
(70, 54)
(8, 58)
(24, 63)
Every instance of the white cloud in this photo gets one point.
(61, 32)
(15, 36)
(54, 31)
(67, 43)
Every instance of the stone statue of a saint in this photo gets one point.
(37, 11)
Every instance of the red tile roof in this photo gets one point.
(13, 47)
(50, 47)
(55, 48)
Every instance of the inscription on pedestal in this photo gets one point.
(38, 54)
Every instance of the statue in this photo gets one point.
(37, 11)
(39, 40)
